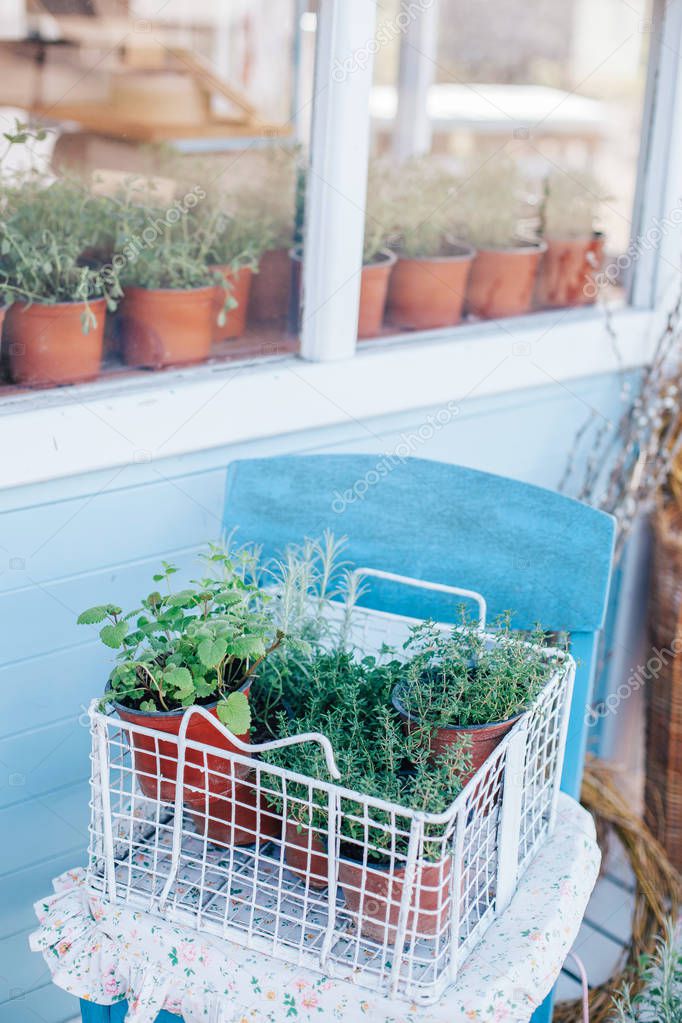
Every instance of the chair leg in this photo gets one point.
(92, 1013)
(543, 1014)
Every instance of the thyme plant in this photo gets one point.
(659, 998)
(422, 193)
(191, 646)
(489, 204)
(570, 205)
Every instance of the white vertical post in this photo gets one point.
(337, 179)
(510, 818)
(418, 51)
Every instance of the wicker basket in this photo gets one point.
(663, 792)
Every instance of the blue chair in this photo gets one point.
(542, 555)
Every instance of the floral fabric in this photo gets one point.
(106, 953)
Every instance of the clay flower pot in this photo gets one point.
(374, 282)
(482, 739)
(305, 854)
(373, 893)
(567, 274)
(46, 345)
(167, 327)
(429, 293)
(269, 299)
(502, 281)
(219, 793)
(235, 318)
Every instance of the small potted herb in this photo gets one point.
(503, 273)
(429, 282)
(169, 306)
(458, 685)
(239, 239)
(197, 646)
(50, 239)
(575, 249)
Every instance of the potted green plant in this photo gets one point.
(348, 700)
(52, 238)
(197, 646)
(575, 249)
(169, 305)
(377, 259)
(489, 209)
(655, 993)
(458, 685)
(429, 282)
(240, 238)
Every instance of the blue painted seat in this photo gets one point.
(542, 555)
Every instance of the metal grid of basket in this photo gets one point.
(202, 834)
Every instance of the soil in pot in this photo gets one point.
(164, 327)
(269, 298)
(212, 783)
(482, 739)
(46, 345)
(501, 282)
(568, 270)
(374, 284)
(429, 293)
(373, 895)
(235, 318)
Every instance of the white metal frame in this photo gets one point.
(152, 847)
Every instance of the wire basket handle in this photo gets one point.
(422, 584)
(258, 747)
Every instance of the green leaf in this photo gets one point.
(247, 646)
(235, 713)
(96, 614)
(181, 679)
(113, 635)
(211, 651)
(148, 705)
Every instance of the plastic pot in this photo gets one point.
(429, 293)
(46, 345)
(235, 318)
(482, 739)
(568, 270)
(269, 298)
(501, 282)
(218, 792)
(167, 327)
(374, 284)
(373, 895)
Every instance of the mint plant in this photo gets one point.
(458, 679)
(196, 645)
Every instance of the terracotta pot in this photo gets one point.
(376, 908)
(235, 318)
(502, 281)
(165, 327)
(483, 739)
(269, 299)
(46, 345)
(211, 783)
(568, 270)
(429, 293)
(305, 854)
(374, 283)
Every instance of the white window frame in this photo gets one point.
(111, 424)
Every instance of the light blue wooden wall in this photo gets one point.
(71, 543)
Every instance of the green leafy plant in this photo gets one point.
(457, 678)
(422, 195)
(379, 212)
(52, 236)
(657, 995)
(489, 204)
(570, 205)
(348, 701)
(240, 234)
(191, 646)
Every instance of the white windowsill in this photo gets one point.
(68, 431)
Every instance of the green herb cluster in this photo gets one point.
(657, 996)
(192, 646)
(458, 678)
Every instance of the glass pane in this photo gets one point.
(522, 198)
(151, 204)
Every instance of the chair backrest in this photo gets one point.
(544, 556)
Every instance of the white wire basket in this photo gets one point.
(209, 834)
